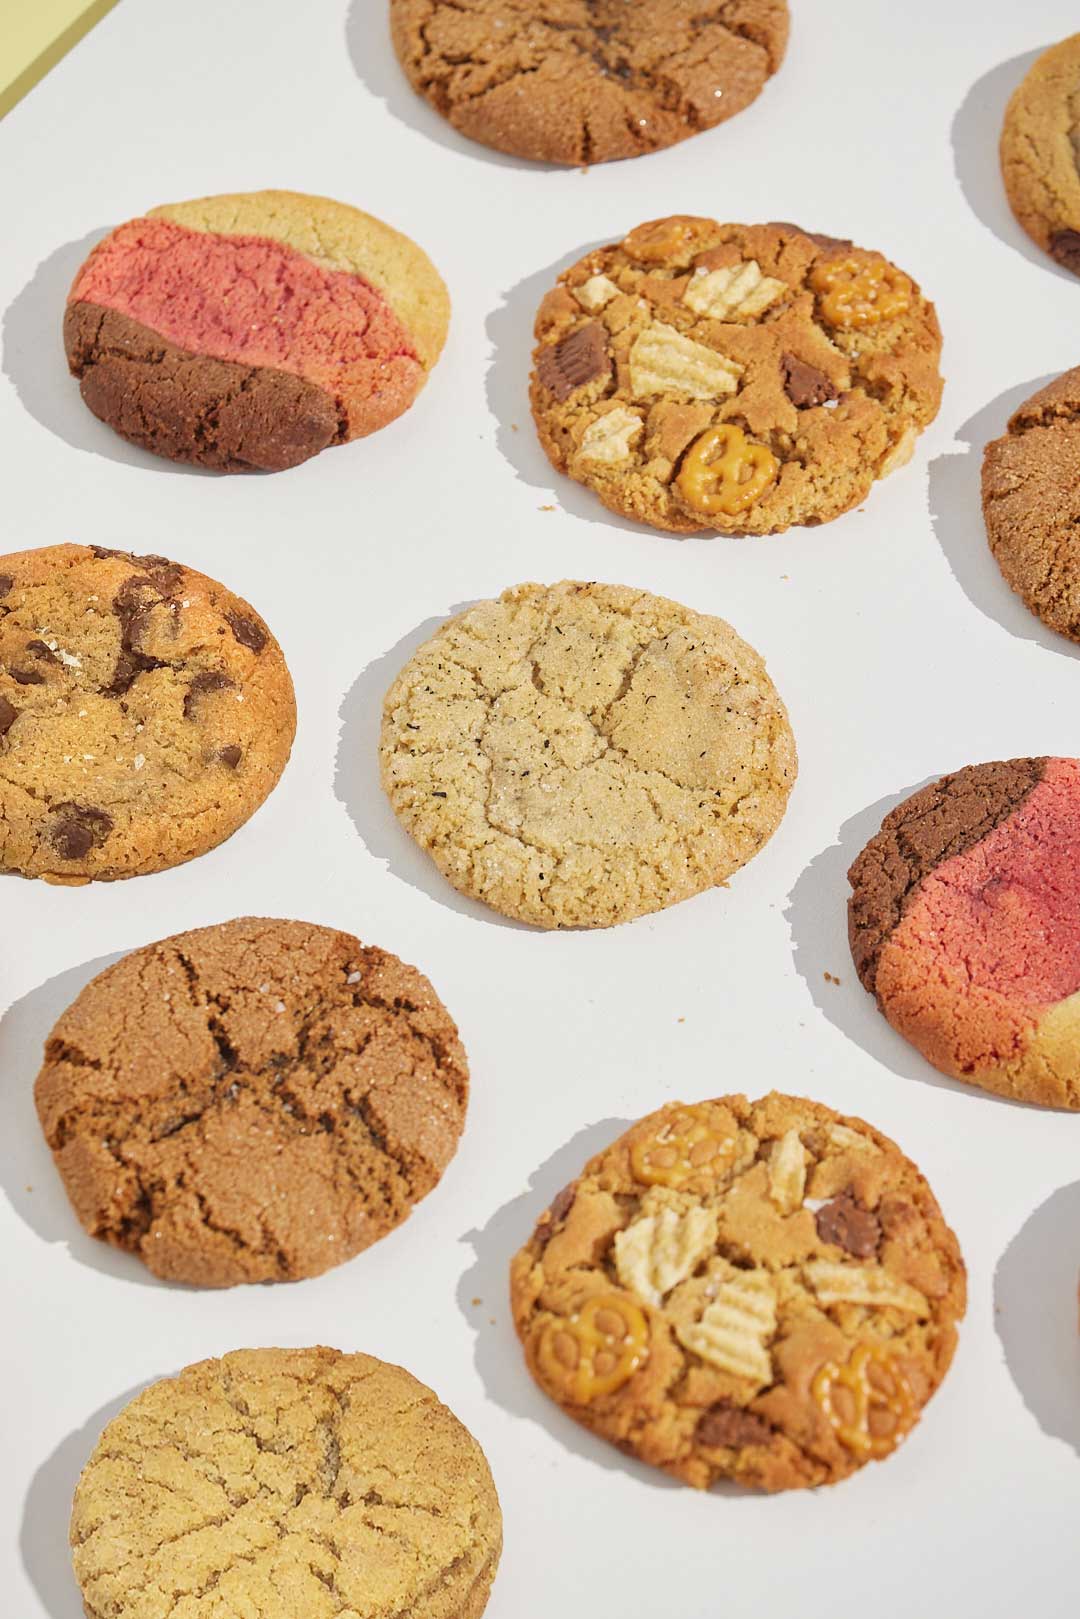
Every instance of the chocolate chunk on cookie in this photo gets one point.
(122, 681)
(1040, 153)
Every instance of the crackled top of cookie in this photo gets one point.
(584, 81)
(759, 1291)
(1040, 152)
(280, 1482)
(252, 1102)
(145, 713)
(733, 377)
(579, 754)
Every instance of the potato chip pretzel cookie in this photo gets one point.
(739, 378)
(764, 1292)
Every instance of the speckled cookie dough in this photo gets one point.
(1040, 153)
(765, 1292)
(576, 755)
(965, 923)
(736, 378)
(145, 713)
(280, 1483)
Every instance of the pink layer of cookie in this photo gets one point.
(254, 301)
(992, 939)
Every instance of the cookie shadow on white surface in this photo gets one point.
(1035, 1312)
(28, 1176)
(33, 357)
(817, 915)
(976, 133)
(957, 516)
(43, 1534)
(358, 787)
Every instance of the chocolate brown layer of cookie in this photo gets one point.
(942, 820)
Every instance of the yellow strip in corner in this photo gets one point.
(34, 35)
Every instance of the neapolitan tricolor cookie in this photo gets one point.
(250, 332)
(964, 921)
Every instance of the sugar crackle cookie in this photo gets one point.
(965, 924)
(576, 755)
(584, 81)
(252, 1102)
(1040, 153)
(765, 1292)
(145, 713)
(250, 332)
(737, 378)
(280, 1483)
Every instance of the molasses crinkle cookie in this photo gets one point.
(965, 923)
(1040, 153)
(583, 81)
(280, 1483)
(738, 378)
(145, 713)
(250, 332)
(765, 1292)
(576, 755)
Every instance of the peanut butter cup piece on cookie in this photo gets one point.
(965, 924)
(250, 332)
(735, 378)
(145, 713)
(765, 1292)
(286, 1484)
(1040, 153)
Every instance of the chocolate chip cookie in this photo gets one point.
(1031, 503)
(250, 332)
(1040, 153)
(738, 378)
(765, 1292)
(575, 755)
(584, 81)
(145, 713)
(252, 1102)
(275, 1483)
(965, 924)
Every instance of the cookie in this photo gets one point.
(275, 1483)
(145, 713)
(252, 1102)
(576, 755)
(1040, 153)
(965, 923)
(765, 1292)
(585, 81)
(1031, 503)
(250, 332)
(737, 378)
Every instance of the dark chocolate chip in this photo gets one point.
(209, 680)
(42, 652)
(561, 1204)
(28, 677)
(78, 829)
(6, 582)
(103, 551)
(574, 361)
(230, 755)
(1065, 249)
(726, 1425)
(847, 1224)
(8, 713)
(248, 631)
(804, 384)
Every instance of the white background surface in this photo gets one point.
(897, 648)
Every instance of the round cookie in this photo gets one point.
(964, 921)
(145, 713)
(1040, 153)
(250, 332)
(1031, 503)
(584, 81)
(576, 755)
(252, 1102)
(275, 1483)
(737, 378)
(765, 1292)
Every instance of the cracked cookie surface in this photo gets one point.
(252, 1102)
(584, 81)
(576, 755)
(964, 921)
(734, 378)
(765, 1292)
(1040, 153)
(145, 713)
(1031, 503)
(250, 332)
(275, 1483)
